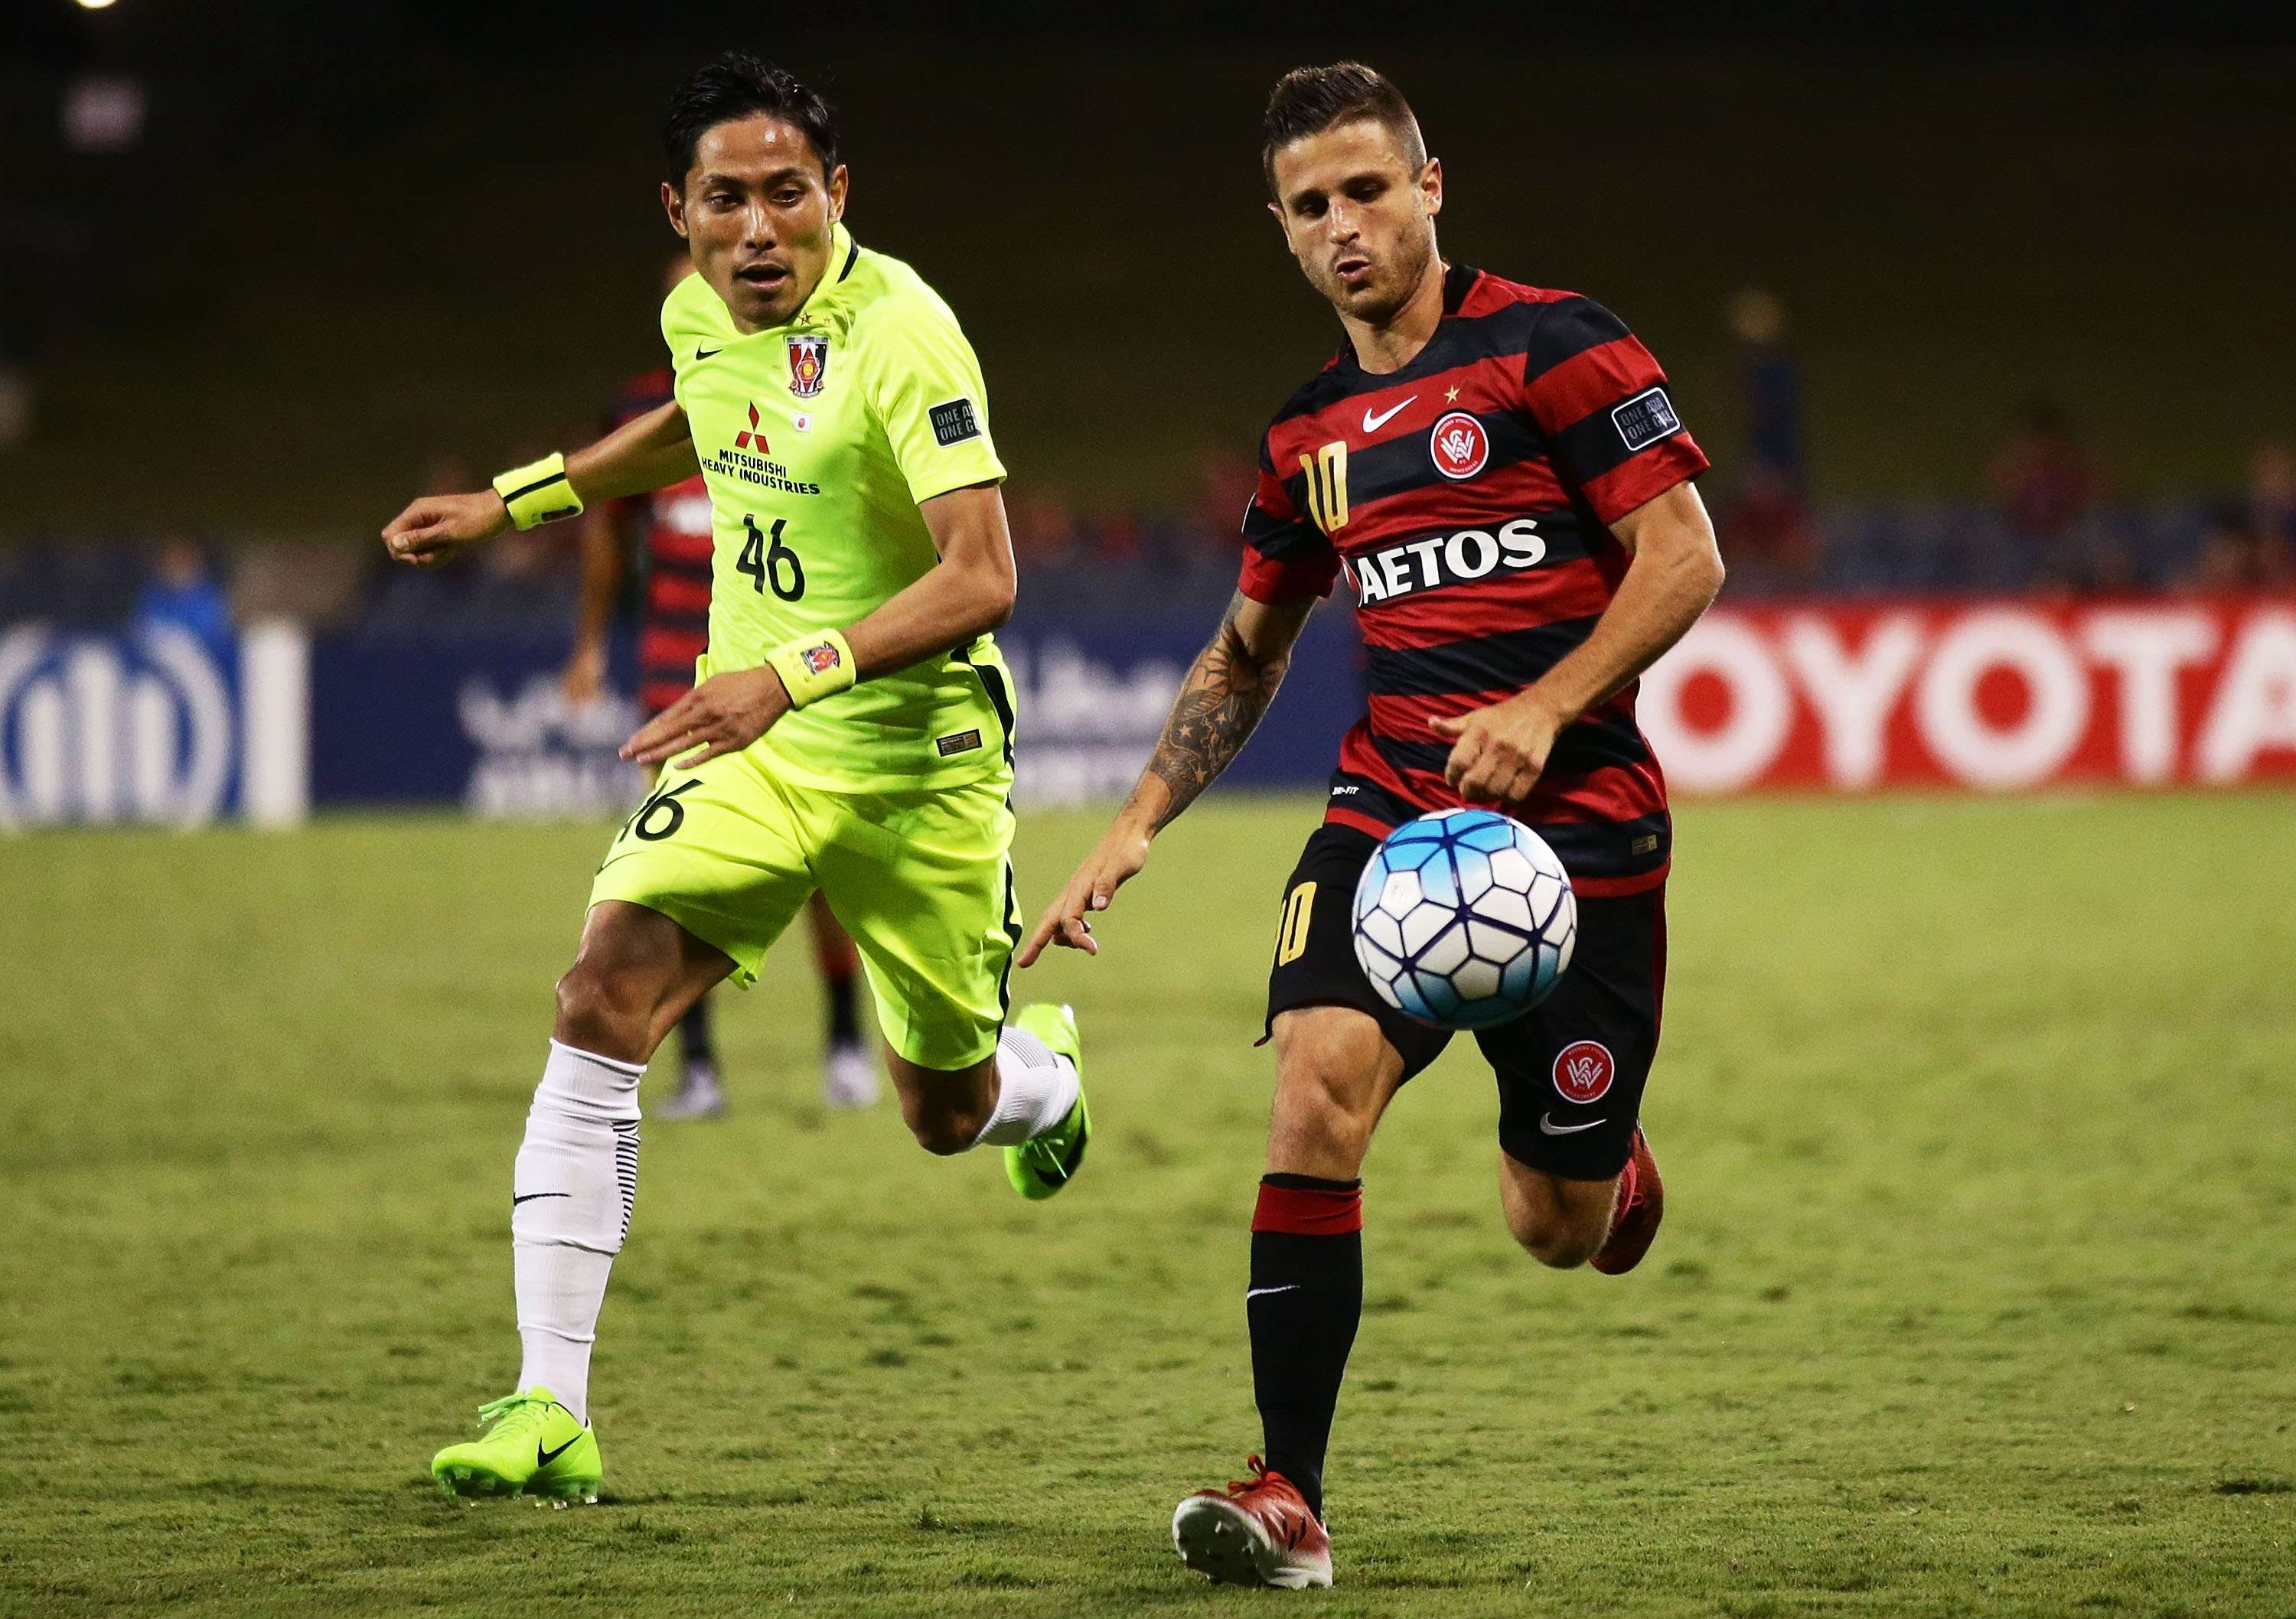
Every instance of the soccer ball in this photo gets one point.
(1465, 918)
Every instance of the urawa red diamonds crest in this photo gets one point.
(809, 358)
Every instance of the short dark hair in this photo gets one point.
(1309, 101)
(737, 85)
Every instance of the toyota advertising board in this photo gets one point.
(1988, 695)
(1982, 695)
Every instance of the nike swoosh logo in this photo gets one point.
(1372, 424)
(543, 1458)
(703, 354)
(1547, 1126)
(1289, 1287)
(530, 1196)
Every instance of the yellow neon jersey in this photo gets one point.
(819, 440)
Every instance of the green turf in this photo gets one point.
(1975, 1295)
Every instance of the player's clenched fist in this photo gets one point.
(725, 714)
(1120, 856)
(434, 527)
(1497, 753)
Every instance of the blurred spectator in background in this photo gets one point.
(184, 594)
(2047, 486)
(15, 382)
(1767, 530)
(1767, 533)
(1769, 379)
(1224, 485)
(2230, 552)
(2250, 544)
(1044, 528)
(15, 404)
(2272, 496)
(1115, 536)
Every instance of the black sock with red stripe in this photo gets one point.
(1305, 1300)
(844, 1010)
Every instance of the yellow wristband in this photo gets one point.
(538, 494)
(813, 667)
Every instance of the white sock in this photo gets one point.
(1036, 1088)
(571, 1195)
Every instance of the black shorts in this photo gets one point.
(1570, 1070)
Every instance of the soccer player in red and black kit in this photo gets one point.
(677, 543)
(1498, 475)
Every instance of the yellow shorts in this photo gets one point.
(922, 881)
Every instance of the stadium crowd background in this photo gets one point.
(265, 272)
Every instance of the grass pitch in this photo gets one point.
(1976, 1292)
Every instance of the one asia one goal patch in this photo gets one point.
(955, 422)
(1645, 419)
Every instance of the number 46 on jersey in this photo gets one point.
(768, 562)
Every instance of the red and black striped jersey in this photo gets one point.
(677, 548)
(1467, 499)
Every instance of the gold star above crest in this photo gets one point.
(1451, 395)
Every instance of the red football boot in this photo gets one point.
(1255, 1532)
(1642, 1204)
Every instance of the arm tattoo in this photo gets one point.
(1220, 702)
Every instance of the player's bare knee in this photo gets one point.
(1560, 1223)
(1555, 1239)
(945, 1112)
(1317, 1128)
(1323, 1101)
(594, 1016)
(945, 1131)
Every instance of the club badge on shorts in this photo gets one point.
(1583, 1071)
(809, 358)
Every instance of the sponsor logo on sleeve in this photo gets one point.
(1583, 1071)
(1645, 419)
(962, 742)
(955, 422)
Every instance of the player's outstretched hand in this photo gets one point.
(1497, 753)
(434, 527)
(1121, 853)
(725, 714)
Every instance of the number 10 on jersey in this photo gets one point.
(768, 561)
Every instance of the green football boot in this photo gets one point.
(1042, 1165)
(534, 1448)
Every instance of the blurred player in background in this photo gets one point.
(851, 732)
(1497, 473)
(670, 530)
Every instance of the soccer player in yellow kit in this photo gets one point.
(851, 729)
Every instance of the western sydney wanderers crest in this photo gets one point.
(1459, 445)
(1583, 1071)
(822, 659)
(809, 358)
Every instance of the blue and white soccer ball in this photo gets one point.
(1465, 918)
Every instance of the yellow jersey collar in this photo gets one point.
(834, 286)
